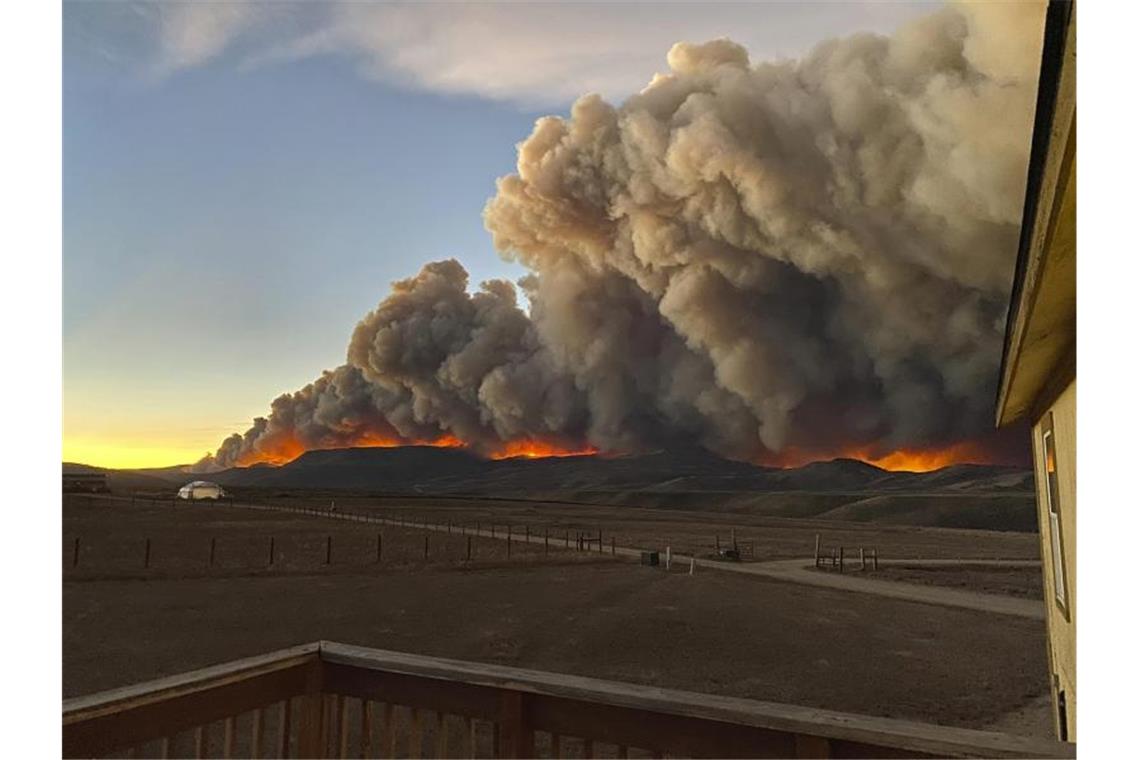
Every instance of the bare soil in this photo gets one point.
(559, 611)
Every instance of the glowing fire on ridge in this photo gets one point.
(899, 460)
(530, 449)
(285, 450)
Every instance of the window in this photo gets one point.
(1049, 451)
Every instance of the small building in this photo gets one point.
(201, 489)
(1039, 365)
(85, 482)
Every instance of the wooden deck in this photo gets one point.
(333, 700)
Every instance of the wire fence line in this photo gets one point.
(413, 541)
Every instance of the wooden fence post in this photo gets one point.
(508, 542)
(817, 550)
(379, 547)
(546, 541)
(875, 558)
(469, 548)
(426, 537)
(668, 556)
(841, 559)
(613, 546)
(271, 548)
(733, 538)
(862, 559)
(328, 550)
(146, 554)
(75, 554)
(718, 542)
(692, 564)
(213, 550)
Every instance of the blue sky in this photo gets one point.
(242, 182)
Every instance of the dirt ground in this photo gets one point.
(1022, 582)
(563, 612)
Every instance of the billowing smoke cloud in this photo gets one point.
(807, 255)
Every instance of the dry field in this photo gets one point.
(691, 530)
(553, 609)
(1022, 582)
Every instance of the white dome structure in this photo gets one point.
(201, 489)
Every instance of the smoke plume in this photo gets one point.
(799, 256)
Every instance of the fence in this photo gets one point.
(333, 700)
(396, 540)
(836, 558)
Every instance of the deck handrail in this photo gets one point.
(518, 702)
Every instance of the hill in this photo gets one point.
(124, 480)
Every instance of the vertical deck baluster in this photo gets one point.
(335, 706)
(415, 740)
(311, 729)
(441, 742)
(255, 734)
(343, 702)
(470, 722)
(164, 748)
(389, 743)
(228, 738)
(283, 728)
(365, 728)
(200, 742)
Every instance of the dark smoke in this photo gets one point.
(811, 254)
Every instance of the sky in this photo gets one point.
(242, 182)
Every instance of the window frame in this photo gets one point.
(1053, 513)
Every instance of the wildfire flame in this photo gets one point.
(531, 449)
(983, 451)
(286, 449)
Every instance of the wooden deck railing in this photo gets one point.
(333, 700)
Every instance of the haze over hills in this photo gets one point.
(964, 495)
